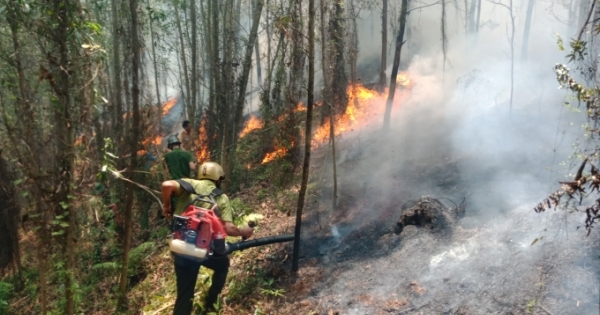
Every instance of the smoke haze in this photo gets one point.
(457, 136)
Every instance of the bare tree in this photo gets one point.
(308, 132)
(397, 52)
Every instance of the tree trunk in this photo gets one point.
(399, 43)
(191, 108)
(133, 147)
(116, 71)
(227, 107)
(154, 64)
(257, 53)
(323, 45)
(526, 30)
(63, 129)
(186, 76)
(384, 14)
(243, 79)
(444, 37)
(308, 132)
(478, 20)
(471, 15)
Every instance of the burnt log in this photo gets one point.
(427, 213)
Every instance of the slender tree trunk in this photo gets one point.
(246, 66)
(512, 54)
(154, 64)
(384, 14)
(194, 97)
(324, 69)
(116, 70)
(397, 52)
(478, 20)
(526, 29)
(133, 147)
(308, 132)
(227, 108)
(257, 53)
(333, 157)
(471, 15)
(444, 37)
(466, 17)
(186, 76)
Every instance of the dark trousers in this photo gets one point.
(186, 271)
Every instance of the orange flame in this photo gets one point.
(168, 105)
(365, 107)
(252, 124)
(278, 153)
(202, 154)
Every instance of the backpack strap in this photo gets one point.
(200, 197)
(186, 186)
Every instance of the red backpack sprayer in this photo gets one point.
(199, 234)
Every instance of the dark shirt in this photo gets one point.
(178, 162)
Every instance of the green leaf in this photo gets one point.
(18, 181)
(112, 155)
(25, 194)
(64, 205)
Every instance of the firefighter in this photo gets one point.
(210, 176)
(179, 162)
(185, 136)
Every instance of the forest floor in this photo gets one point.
(355, 260)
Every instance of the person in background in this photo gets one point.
(210, 176)
(185, 136)
(179, 162)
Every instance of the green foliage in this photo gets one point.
(6, 292)
(253, 280)
(137, 255)
(240, 209)
(109, 266)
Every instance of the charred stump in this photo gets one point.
(426, 212)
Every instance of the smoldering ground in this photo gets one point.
(457, 137)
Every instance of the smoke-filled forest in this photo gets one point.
(385, 157)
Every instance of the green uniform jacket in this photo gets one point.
(178, 162)
(204, 187)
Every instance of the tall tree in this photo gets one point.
(308, 132)
(191, 108)
(133, 148)
(384, 15)
(154, 61)
(243, 83)
(117, 97)
(397, 52)
(526, 29)
(444, 37)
